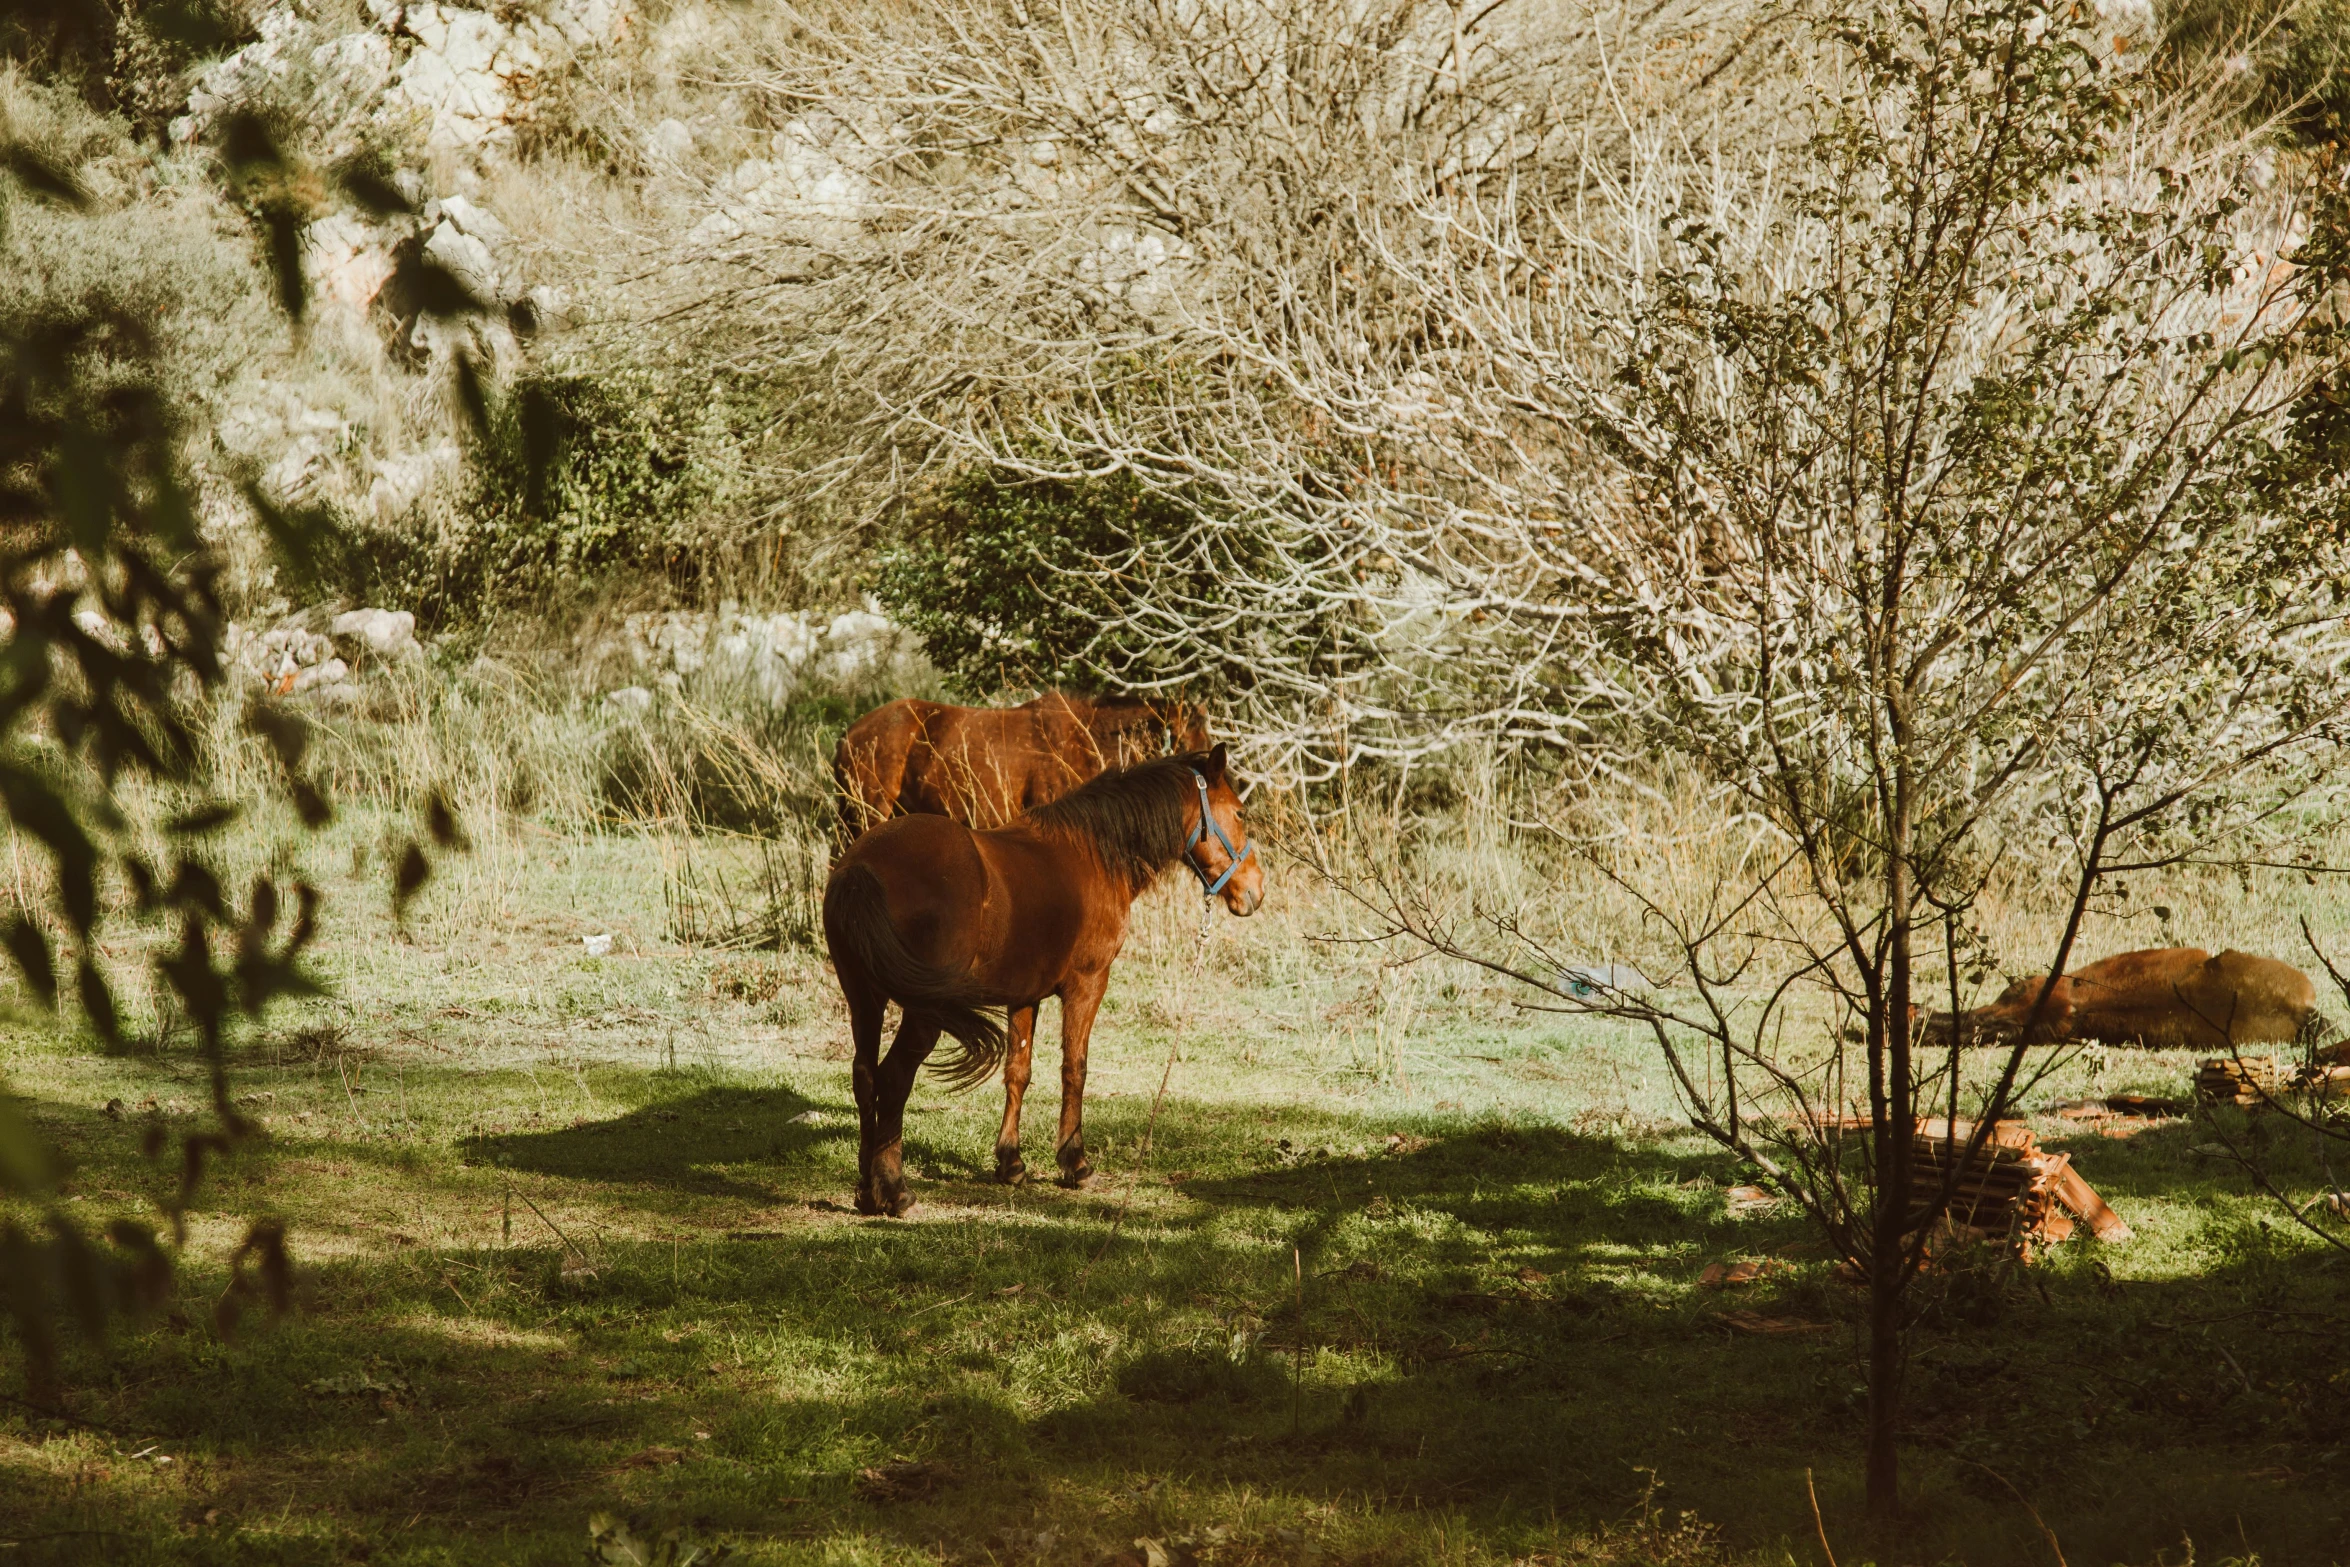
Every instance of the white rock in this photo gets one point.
(348, 264)
(470, 219)
(355, 66)
(387, 633)
(670, 142)
(631, 700)
(466, 256)
(400, 482)
(805, 191)
(597, 946)
(328, 673)
(553, 306)
(469, 73)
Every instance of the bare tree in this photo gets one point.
(1971, 480)
(1185, 243)
(1939, 465)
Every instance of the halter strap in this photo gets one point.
(1206, 824)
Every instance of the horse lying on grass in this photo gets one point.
(2165, 998)
(948, 922)
(983, 766)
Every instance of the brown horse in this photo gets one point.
(948, 921)
(983, 766)
(2164, 997)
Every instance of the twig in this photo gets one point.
(2027, 1503)
(552, 1225)
(1816, 1521)
(2232, 1366)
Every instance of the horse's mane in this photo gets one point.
(1131, 817)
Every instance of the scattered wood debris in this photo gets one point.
(2121, 1115)
(2148, 1107)
(651, 1458)
(906, 1480)
(1756, 1323)
(2325, 1080)
(1744, 1200)
(2237, 1080)
(1722, 1275)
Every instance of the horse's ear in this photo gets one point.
(1216, 763)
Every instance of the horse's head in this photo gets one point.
(1218, 847)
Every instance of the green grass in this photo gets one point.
(574, 1239)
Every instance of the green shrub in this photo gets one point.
(580, 480)
(1013, 582)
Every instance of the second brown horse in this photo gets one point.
(949, 922)
(983, 766)
(2166, 998)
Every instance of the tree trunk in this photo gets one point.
(1895, 1117)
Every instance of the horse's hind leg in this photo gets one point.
(884, 1188)
(1019, 1041)
(866, 1007)
(1079, 1002)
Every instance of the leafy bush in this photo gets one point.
(578, 480)
(1016, 582)
(130, 57)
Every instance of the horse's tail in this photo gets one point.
(857, 929)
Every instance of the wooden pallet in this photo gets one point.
(2010, 1188)
(2244, 1080)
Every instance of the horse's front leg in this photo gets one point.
(1020, 1039)
(1080, 1000)
(884, 1190)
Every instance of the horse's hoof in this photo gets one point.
(901, 1205)
(869, 1206)
(1077, 1177)
(1011, 1169)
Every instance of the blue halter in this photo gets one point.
(1206, 824)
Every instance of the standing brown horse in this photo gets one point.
(948, 921)
(983, 766)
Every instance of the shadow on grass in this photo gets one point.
(685, 1142)
(1497, 1343)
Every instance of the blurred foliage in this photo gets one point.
(111, 614)
(2297, 53)
(130, 56)
(1014, 582)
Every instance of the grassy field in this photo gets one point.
(1395, 1272)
